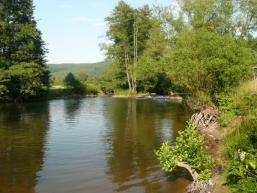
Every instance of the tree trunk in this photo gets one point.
(127, 71)
(135, 38)
(189, 169)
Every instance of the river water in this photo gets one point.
(92, 145)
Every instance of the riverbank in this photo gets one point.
(232, 141)
(218, 147)
(237, 153)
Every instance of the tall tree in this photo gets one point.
(150, 66)
(21, 46)
(128, 31)
(214, 15)
(246, 17)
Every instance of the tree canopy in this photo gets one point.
(22, 63)
(198, 47)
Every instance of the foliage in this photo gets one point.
(199, 101)
(227, 108)
(189, 148)
(91, 69)
(121, 92)
(202, 47)
(245, 99)
(241, 153)
(150, 71)
(128, 30)
(205, 61)
(73, 84)
(57, 92)
(21, 53)
(23, 81)
(92, 88)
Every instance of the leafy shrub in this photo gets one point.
(227, 109)
(205, 61)
(188, 148)
(246, 185)
(23, 81)
(92, 88)
(245, 98)
(73, 84)
(242, 154)
(200, 100)
(57, 92)
(248, 106)
(122, 92)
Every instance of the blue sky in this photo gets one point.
(73, 29)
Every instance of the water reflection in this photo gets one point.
(96, 145)
(23, 131)
(72, 108)
(135, 130)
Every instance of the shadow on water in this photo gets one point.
(136, 129)
(23, 132)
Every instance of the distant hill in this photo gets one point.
(92, 69)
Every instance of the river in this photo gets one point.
(91, 145)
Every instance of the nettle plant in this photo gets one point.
(189, 149)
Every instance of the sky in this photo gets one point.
(73, 29)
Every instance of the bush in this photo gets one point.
(245, 99)
(73, 84)
(246, 185)
(199, 101)
(241, 153)
(23, 81)
(122, 92)
(205, 61)
(188, 148)
(227, 109)
(92, 88)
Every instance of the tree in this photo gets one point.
(203, 61)
(214, 15)
(73, 84)
(83, 76)
(128, 31)
(20, 43)
(246, 18)
(23, 81)
(150, 69)
(200, 47)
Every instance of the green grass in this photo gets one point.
(239, 146)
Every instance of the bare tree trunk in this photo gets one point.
(193, 174)
(127, 71)
(135, 37)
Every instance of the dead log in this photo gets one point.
(206, 123)
(196, 186)
(199, 187)
(183, 165)
(205, 119)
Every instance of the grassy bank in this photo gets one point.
(63, 92)
(238, 150)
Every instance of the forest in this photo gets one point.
(203, 49)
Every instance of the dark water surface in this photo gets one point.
(93, 145)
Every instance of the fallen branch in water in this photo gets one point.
(194, 174)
